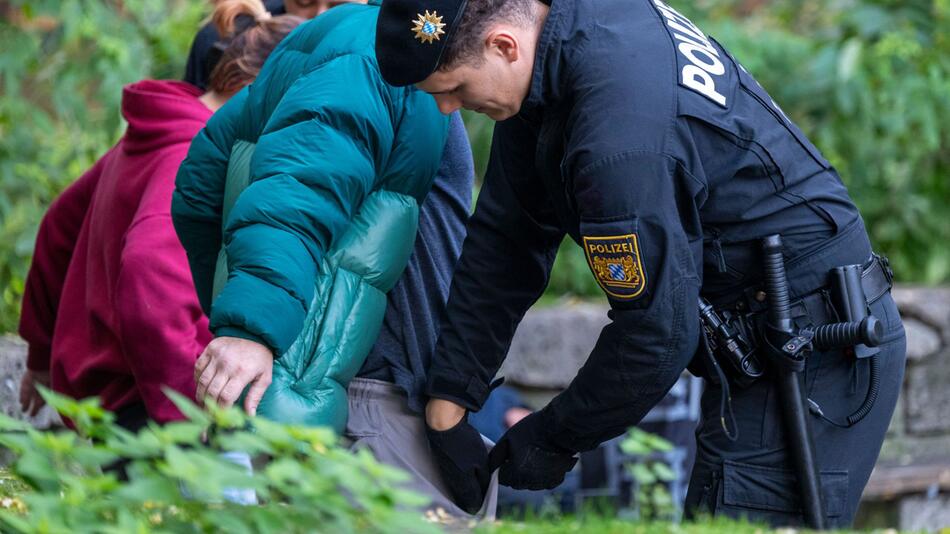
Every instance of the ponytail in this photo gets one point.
(249, 34)
(232, 16)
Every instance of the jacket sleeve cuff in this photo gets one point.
(468, 392)
(234, 331)
(37, 358)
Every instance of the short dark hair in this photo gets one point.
(466, 43)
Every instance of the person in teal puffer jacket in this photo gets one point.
(297, 206)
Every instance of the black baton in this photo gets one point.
(787, 348)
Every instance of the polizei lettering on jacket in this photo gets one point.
(613, 248)
(701, 66)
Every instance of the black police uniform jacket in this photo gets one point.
(653, 149)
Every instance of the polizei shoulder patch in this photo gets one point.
(700, 66)
(615, 262)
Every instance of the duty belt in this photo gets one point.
(816, 307)
(736, 343)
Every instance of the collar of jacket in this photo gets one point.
(558, 32)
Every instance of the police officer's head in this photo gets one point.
(474, 54)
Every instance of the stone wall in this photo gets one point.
(911, 484)
(12, 366)
(921, 427)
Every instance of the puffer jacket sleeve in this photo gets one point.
(198, 199)
(320, 154)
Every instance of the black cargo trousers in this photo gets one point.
(754, 476)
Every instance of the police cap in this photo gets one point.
(411, 35)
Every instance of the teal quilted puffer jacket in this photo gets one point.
(298, 206)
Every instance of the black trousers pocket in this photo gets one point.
(772, 495)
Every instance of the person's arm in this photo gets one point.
(639, 226)
(55, 243)
(161, 326)
(198, 199)
(638, 251)
(506, 260)
(316, 160)
(503, 269)
(631, 205)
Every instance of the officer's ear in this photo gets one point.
(502, 41)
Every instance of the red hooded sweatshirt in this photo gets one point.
(109, 307)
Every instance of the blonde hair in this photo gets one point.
(250, 34)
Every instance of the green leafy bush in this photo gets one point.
(308, 484)
(62, 69)
(651, 473)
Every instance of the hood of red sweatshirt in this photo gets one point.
(161, 113)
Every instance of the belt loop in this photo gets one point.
(886, 267)
(720, 256)
(829, 305)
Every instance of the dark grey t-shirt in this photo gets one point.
(417, 302)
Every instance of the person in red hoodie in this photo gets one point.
(109, 307)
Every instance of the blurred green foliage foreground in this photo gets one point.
(867, 80)
(178, 481)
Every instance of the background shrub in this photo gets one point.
(63, 64)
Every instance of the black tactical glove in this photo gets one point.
(527, 459)
(462, 458)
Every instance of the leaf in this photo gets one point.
(93, 457)
(634, 445)
(657, 443)
(245, 442)
(36, 469)
(8, 423)
(230, 519)
(17, 442)
(187, 407)
(642, 474)
(150, 489)
(14, 522)
(179, 432)
(663, 472)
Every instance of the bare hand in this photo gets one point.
(30, 400)
(228, 365)
(442, 414)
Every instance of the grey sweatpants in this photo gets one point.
(380, 420)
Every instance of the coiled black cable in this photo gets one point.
(874, 387)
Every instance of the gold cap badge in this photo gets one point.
(428, 27)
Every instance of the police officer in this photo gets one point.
(625, 127)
